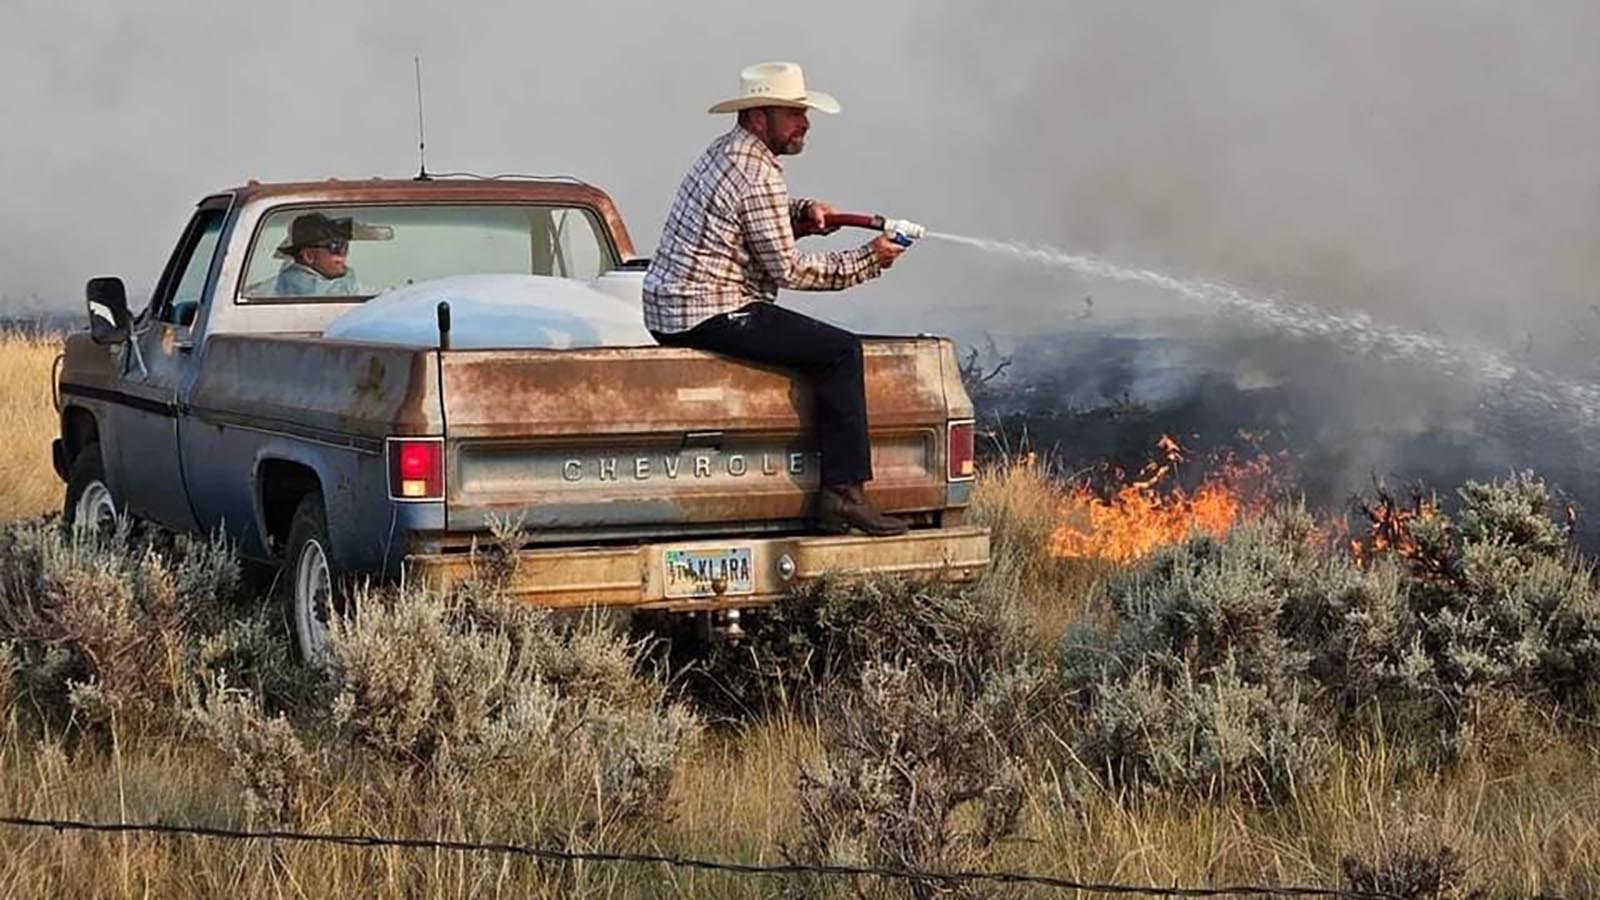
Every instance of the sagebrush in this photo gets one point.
(1232, 663)
(129, 624)
(904, 722)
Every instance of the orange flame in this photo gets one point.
(1390, 522)
(1141, 516)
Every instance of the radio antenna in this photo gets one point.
(422, 145)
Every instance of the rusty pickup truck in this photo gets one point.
(641, 477)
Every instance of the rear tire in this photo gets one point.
(309, 585)
(89, 506)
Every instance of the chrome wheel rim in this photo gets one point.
(95, 510)
(313, 600)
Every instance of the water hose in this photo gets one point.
(901, 231)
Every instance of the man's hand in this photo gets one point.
(885, 250)
(815, 219)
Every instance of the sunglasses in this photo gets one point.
(337, 246)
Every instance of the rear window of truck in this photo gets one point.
(348, 252)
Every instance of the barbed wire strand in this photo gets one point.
(684, 862)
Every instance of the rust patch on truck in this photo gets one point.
(368, 388)
(421, 409)
(326, 389)
(641, 390)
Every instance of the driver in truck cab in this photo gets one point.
(316, 260)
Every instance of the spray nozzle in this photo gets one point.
(904, 228)
(901, 231)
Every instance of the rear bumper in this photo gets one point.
(635, 576)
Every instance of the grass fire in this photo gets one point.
(1127, 518)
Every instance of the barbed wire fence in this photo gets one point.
(547, 854)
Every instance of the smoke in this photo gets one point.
(1422, 163)
(1429, 160)
(119, 117)
(1428, 163)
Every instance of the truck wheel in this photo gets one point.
(89, 506)
(310, 582)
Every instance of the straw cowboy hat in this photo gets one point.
(776, 84)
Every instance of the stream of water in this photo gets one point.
(1355, 331)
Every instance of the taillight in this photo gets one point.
(959, 450)
(416, 468)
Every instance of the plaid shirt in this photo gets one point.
(729, 241)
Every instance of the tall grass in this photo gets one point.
(28, 483)
(1020, 498)
(1523, 827)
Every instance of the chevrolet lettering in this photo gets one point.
(644, 468)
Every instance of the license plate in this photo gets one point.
(711, 572)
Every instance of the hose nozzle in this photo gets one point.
(905, 228)
(901, 231)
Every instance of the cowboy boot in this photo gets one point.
(841, 507)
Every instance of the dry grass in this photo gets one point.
(28, 484)
(1021, 500)
(1523, 828)
(1525, 819)
(737, 794)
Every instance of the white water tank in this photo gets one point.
(504, 311)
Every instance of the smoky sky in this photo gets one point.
(1430, 162)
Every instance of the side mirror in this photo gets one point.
(109, 321)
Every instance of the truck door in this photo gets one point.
(148, 473)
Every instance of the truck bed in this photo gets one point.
(614, 443)
(647, 439)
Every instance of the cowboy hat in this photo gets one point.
(776, 84)
(312, 229)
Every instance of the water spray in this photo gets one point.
(900, 231)
(1352, 330)
(1357, 330)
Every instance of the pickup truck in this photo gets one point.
(641, 477)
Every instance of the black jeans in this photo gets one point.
(828, 357)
